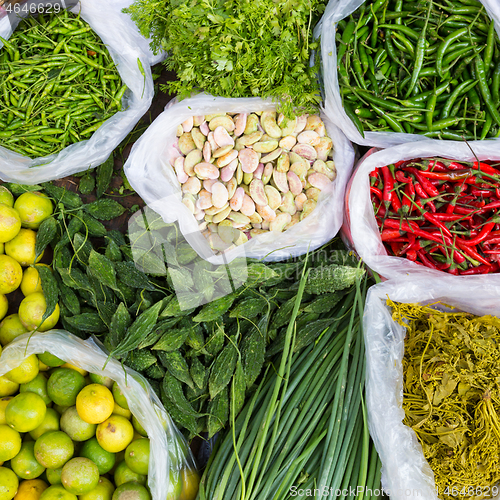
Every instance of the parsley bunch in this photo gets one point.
(237, 48)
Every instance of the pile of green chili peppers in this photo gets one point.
(58, 84)
(428, 67)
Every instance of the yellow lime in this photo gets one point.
(3, 404)
(31, 489)
(57, 492)
(137, 456)
(25, 372)
(119, 397)
(42, 367)
(138, 427)
(2, 248)
(25, 412)
(115, 433)
(31, 311)
(50, 360)
(31, 282)
(64, 385)
(129, 491)
(80, 475)
(96, 378)
(104, 460)
(24, 464)
(190, 484)
(118, 410)
(54, 475)
(22, 248)
(103, 491)
(7, 387)
(50, 423)
(76, 368)
(76, 428)
(6, 197)
(4, 306)
(123, 474)
(10, 328)
(95, 403)
(8, 484)
(53, 449)
(33, 209)
(39, 386)
(11, 274)
(10, 443)
(10, 222)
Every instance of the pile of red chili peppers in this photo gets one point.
(440, 213)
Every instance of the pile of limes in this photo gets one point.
(66, 434)
(19, 220)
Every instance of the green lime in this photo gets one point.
(80, 475)
(8, 484)
(137, 456)
(24, 464)
(103, 491)
(57, 492)
(119, 397)
(6, 196)
(50, 359)
(53, 449)
(25, 412)
(64, 385)
(76, 428)
(123, 474)
(60, 409)
(54, 475)
(10, 443)
(39, 386)
(10, 328)
(174, 489)
(25, 372)
(131, 491)
(7, 387)
(50, 423)
(104, 460)
(138, 427)
(101, 379)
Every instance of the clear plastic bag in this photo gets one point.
(335, 12)
(361, 230)
(126, 46)
(169, 450)
(150, 174)
(405, 472)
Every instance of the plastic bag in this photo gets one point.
(405, 472)
(334, 12)
(126, 46)
(150, 174)
(362, 232)
(169, 451)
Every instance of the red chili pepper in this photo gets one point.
(411, 255)
(485, 207)
(390, 234)
(497, 192)
(454, 165)
(428, 187)
(480, 237)
(486, 268)
(400, 225)
(376, 191)
(450, 217)
(374, 177)
(437, 223)
(487, 169)
(436, 166)
(388, 187)
(457, 175)
(469, 250)
(426, 260)
(480, 192)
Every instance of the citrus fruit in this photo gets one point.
(137, 456)
(60, 409)
(174, 488)
(39, 386)
(31, 282)
(10, 222)
(80, 475)
(6, 197)
(11, 274)
(33, 209)
(50, 360)
(10, 328)
(53, 449)
(31, 489)
(57, 492)
(24, 464)
(64, 385)
(95, 403)
(10, 442)
(104, 460)
(22, 248)
(2, 248)
(123, 474)
(131, 491)
(7, 387)
(31, 311)
(190, 484)
(54, 475)
(25, 412)
(25, 372)
(50, 423)
(103, 491)
(138, 427)
(76, 368)
(118, 410)
(115, 433)
(4, 306)
(101, 379)
(3, 404)
(119, 397)
(8, 484)
(42, 366)
(76, 428)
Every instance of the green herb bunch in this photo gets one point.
(237, 48)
